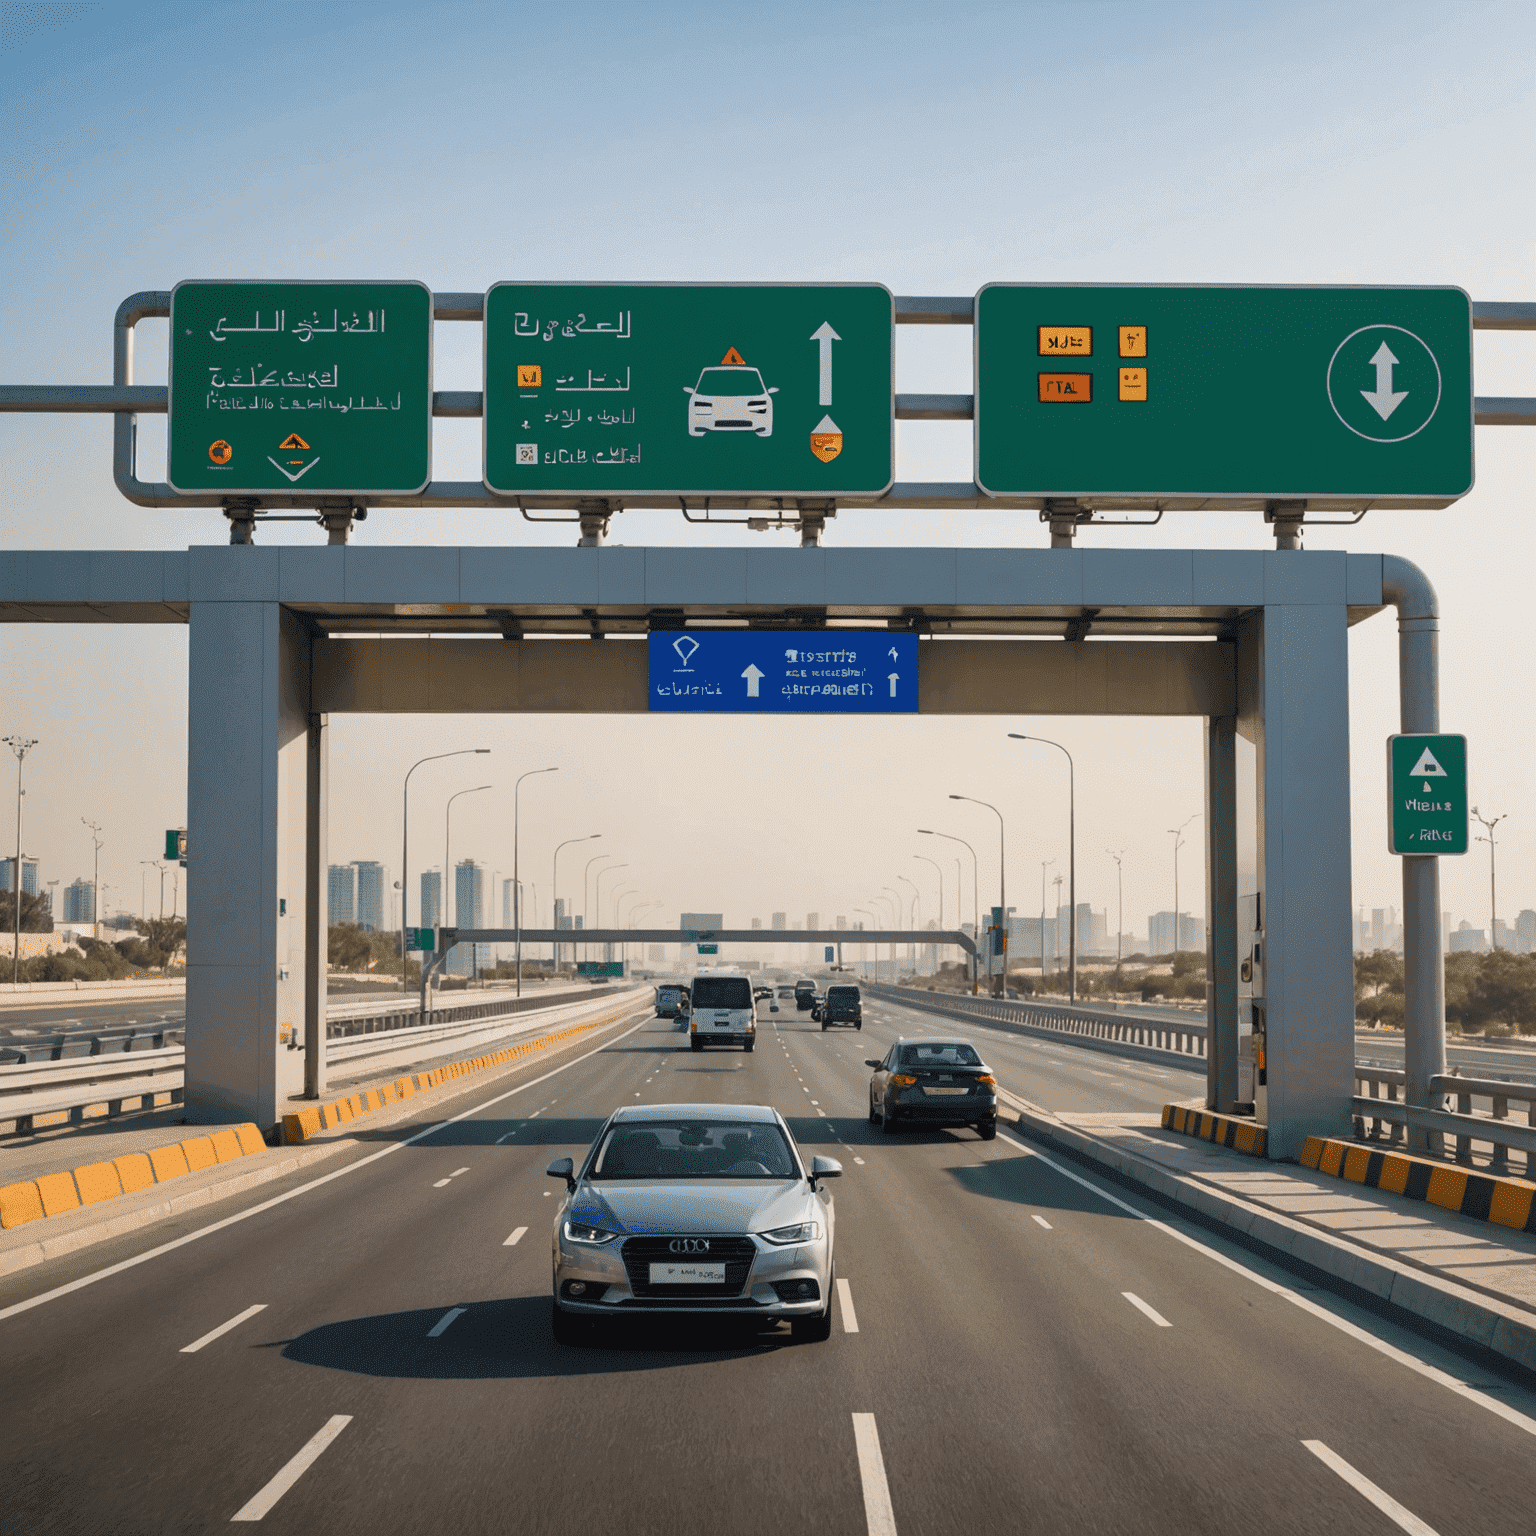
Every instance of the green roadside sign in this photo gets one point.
(677, 389)
(420, 940)
(709, 949)
(300, 388)
(175, 843)
(1212, 396)
(1427, 794)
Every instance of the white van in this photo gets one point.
(723, 1010)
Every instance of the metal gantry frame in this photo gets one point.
(126, 401)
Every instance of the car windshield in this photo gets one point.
(722, 992)
(694, 1149)
(730, 381)
(843, 994)
(947, 1053)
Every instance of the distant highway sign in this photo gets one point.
(1360, 396)
(301, 388)
(764, 672)
(689, 389)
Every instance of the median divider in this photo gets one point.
(1241, 1135)
(306, 1124)
(55, 1194)
(1508, 1202)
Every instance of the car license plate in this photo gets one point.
(687, 1274)
(943, 1090)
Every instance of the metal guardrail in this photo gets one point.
(1513, 1146)
(1173, 1037)
(410, 1018)
(78, 1078)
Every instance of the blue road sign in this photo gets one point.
(784, 672)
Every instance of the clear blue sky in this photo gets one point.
(929, 148)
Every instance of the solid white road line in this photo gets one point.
(878, 1514)
(302, 1189)
(501, 1139)
(1141, 1306)
(1043, 1222)
(291, 1473)
(445, 1322)
(1322, 1314)
(845, 1301)
(512, 1241)
(222, 1329)
(442, 1184)
(1389, 1506)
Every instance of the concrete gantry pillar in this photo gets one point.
(249, 778)
(1293, 690)
(1221, 1075)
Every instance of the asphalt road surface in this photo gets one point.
(1019, 1346)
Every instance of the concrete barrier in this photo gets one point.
(1241, 1135)
(54, 1194)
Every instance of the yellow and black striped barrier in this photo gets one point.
(1241, 1135)
(1509, 1202)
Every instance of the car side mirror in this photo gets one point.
(687, 389)
(875, 1064)
(563, 1168)
(773, 389)
(825, 1168)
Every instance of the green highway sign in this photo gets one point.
(1224, 396)
(607, 389)
(175, 843)
(301, 388)
(1427, 794)
(709, 949)
(420, 940)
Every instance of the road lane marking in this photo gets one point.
(442, 1184)
(1043, 1222)
(295, 1469)
(302, 1189)
(222, 1329)
(512, 1241)
(445, 1322)
(501, 1139)
(1141, 1306)
(879, 1517)
(1354, 1331)
(845, 1301)
(859, 1161)
(457, 1171)
(1383, 1501)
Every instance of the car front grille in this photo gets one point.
(641, 1252)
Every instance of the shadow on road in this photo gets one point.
(1028, 1181)
(511, 1339)
(551, 1131)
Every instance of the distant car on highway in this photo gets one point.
(786, 991)
(805, 995)
(841, 1005)
(694, 1208)
(722, 1011)
(671, 1002)
(933, 1080)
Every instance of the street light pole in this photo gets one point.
(97, 844)
(1002, 885)
(1045, 864)
(1177, 834)
(975, 893)
(447, 867)
(865, 912)
(1493, 888)
(586, 911)
(597, 890)
(938, 871)
(554, 889)
(914, 918)
(20, 746)
(1071, 857)
(517, 887)
(1119, 859)
(405, 848)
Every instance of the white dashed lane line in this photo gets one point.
(1404, 1519)
(1151, 1312)
(879, 1517)
(1042, 1221)
(223, 1328)
(512, 1241)
(445, 1322)
(845, 1302)
(257, 1507)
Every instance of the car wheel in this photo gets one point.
(823, 1026)
(874, 1114)
(748, 1046)
(888, 1121)
(812, 1330)
(568, 1330)
(697, 1045)
(988, 1130)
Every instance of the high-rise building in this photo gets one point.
(1525, 932)
(372, 881)
(813, 920)
(694, 921)
(80, 902)
(431, 898)
(341, 893)
(842, 925)
(28, 875)
(780, 923)
(1160, 933)
(469, 879)
(757, 922)
(1467, 939)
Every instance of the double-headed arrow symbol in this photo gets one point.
(824, 336)
(1384, 399)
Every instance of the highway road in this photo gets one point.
(1019, 1345)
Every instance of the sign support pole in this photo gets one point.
(1408, 589)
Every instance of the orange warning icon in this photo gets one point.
(220, 452)
(530, 375)
(733, 359)
(293, 442)
(827, 440)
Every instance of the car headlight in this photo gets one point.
(801, 1232)
(588, 1236)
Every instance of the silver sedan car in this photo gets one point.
(694, 1208)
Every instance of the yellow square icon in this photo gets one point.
(1133, 341)
(1133, 383)
(530, 375)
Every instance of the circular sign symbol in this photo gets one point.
(220, 452)
(1384, 383)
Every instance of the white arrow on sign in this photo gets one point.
(300, 474)
(825, 336)
(753, 677)
(1384, 399)
(894, 679)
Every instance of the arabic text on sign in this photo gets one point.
(1133, 341)
(303, 330)
(525, 325)
(1066, 388)
(1066, 341)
